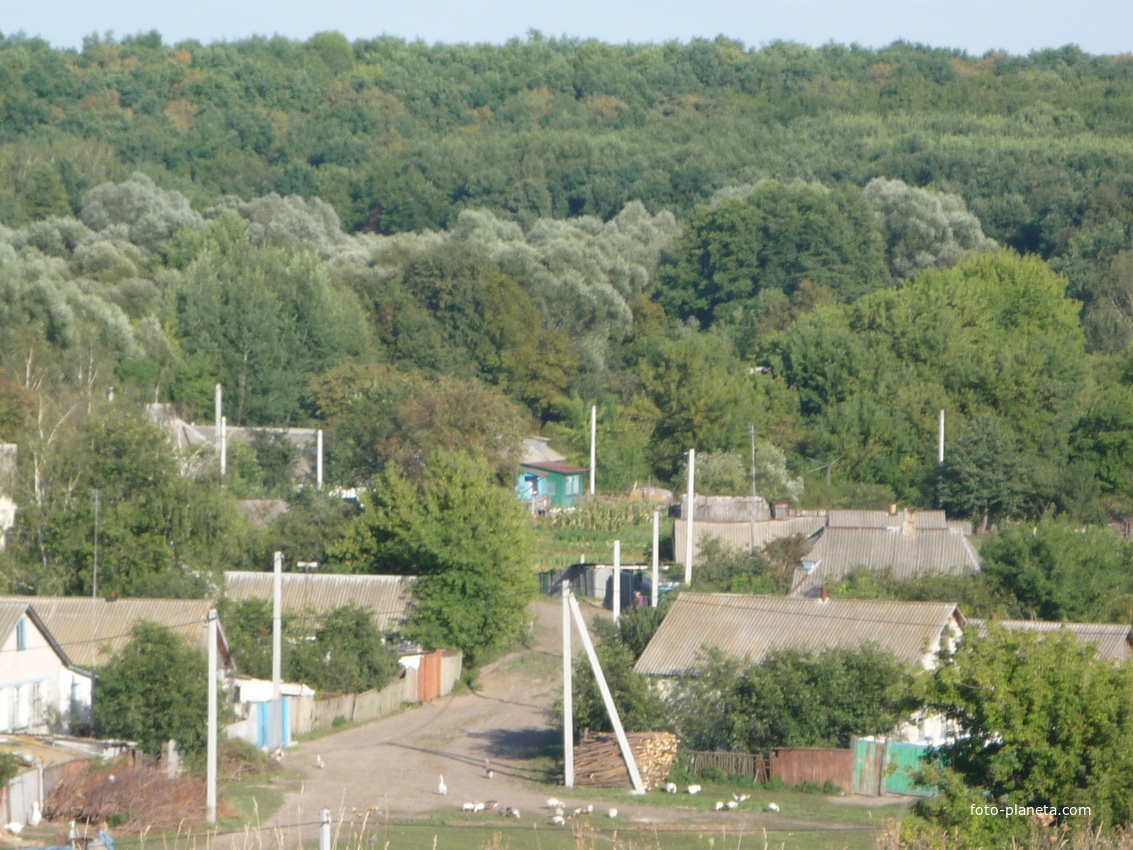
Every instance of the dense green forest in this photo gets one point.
(418, 246)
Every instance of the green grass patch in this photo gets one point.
(255, 800)
(533, 832)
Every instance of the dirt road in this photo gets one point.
(395, 764)
(392, 767)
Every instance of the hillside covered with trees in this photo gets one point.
(415, 247)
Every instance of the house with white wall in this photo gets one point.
(38, 683)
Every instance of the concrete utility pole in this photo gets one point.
(568, 693)
(319, 459)
(940, 441)
(617, 580)
(223, 446)
(607, 698)
(210, 780)
(593, 444)
(753, 492)
(689, 548)
(219, 408)
(656, 555)
(276, 628)
(324, 830)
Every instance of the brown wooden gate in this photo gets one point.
(429, 677)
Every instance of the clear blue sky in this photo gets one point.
(1017, 26)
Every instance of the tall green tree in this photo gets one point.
(983, 476)
(1042, 721)
(466, 539)
(772, 239)
(154, 690)
(264, 320)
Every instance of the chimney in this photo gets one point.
(893, 510)
(824, 595)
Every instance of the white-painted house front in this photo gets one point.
(38, 685)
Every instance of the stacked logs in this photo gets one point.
(598, 760)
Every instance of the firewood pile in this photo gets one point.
(598, 761)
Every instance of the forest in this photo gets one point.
(418, 247)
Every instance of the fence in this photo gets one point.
(816, 765)
(869, 768)
(882, 768)
(730, 764)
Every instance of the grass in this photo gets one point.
(533, 832)
(255, 800)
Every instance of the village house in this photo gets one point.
(312, 594)
(92, 631)
(39, 687)
(747, 628)
(545, 480)
(903, 543)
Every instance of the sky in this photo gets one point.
(976, 26)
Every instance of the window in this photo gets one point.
(22, 634)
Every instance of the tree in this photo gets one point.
(772, 238)
(983, 476)
(155, 689)
(347, 654)
(1041, 721)
(923, 228)
(466, 539)
(793, 699)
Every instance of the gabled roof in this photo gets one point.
(1113, 640)
(91, 631)
(537, 450)
(388, 597)
(839, 551)
(11, 612)
(748, 627)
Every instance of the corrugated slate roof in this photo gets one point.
(12, 611)
(387, 596)
(1113, 640)
(919, 520)
(748, 627)
(537, 450)
(841, 550)
(744, 535)
(85, 628)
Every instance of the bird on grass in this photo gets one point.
(732, 804)
(319, 761)
(719, 805)
(670, 788)
(442, 789)
(694, 789)
(772, 807)
(613, 813)
(558, 820)
(741, 798)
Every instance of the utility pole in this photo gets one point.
(656, 555)
(753, 492)
(593, 443)
(319, 459)
(223, 446)
(617, 581)
(276, 630)
(607, 698)
(94, 577)
(940, 441)
(689, 548)
(210, 780)
(568, 693)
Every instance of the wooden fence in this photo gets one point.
(730, 764)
